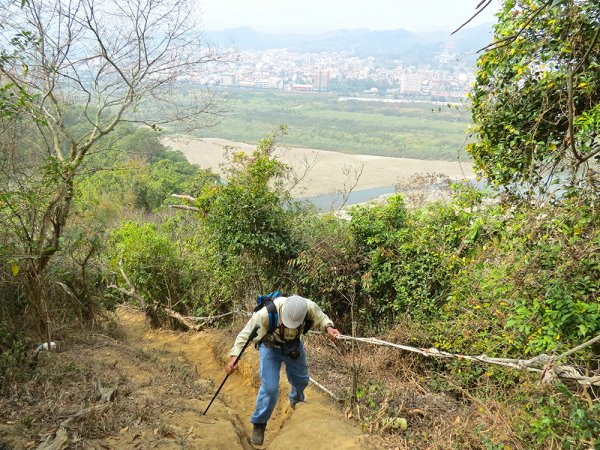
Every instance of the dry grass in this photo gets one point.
(68, 380)
(394, 384)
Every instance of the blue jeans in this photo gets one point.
(270, 365)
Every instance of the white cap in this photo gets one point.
(293, 311)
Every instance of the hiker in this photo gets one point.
(279, 340)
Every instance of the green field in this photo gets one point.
(319, 120)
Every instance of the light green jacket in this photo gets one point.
(261, 318)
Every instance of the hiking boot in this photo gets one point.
(258, 434)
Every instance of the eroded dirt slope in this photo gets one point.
(163, 382)
(316, 424)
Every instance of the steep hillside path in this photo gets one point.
(315, 424)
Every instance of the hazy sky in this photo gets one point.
(322, 15)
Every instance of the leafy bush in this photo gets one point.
(153, 264)
(245, 218)
(562, 418)
(413, 255)
(531, 285)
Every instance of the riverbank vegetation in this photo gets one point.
(320, 120)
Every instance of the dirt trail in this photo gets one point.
(315, 424)
(162, 382)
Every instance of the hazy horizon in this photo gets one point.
(315, 32)
(318, 16)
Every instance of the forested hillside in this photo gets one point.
(88, 222)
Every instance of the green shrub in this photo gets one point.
(531, 285)
(245, 221)
(413, 255)
(152, 263)
(562, 418)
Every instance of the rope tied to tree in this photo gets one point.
(544, 364)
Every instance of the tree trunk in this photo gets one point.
(38, 300)
(48, 241)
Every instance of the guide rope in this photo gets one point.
(544, 364)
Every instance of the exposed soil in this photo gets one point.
(164, 381)
(329, 171)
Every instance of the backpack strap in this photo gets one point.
(308, 324)
(273, 316)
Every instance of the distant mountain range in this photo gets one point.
(412, 48)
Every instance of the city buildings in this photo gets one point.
(342, 73)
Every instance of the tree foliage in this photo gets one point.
(108, 57)
(535, 103)
(245, 215)
(152, 262)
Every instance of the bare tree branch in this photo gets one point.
(487, 3)
(509, 39)
(111, 61)
(188, 208)
(184, 197)
(353, 175)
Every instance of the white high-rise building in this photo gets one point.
(411, 83)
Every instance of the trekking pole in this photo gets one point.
(252, 336)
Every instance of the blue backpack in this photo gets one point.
(267, 301)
